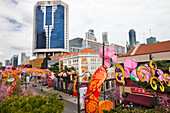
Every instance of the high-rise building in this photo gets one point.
(105, 37)
(90, 35)
(132, 37)
(50, 29)
(151, 40)
(14, 61)
(0, 63)
(7, 62)
(75, 44)
(22, 56)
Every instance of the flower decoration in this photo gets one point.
(8, 68)
(109, 53)
(14, 84)
(64, 74)
(24, 70)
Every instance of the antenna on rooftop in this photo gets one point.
(150, 32)
(144, 37)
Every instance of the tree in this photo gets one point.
(163, 65)
(54, 68)
(32, 104)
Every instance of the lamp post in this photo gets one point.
(25, 81)
(103, 65)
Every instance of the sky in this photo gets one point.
(116, 17)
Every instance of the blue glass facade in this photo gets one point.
(41, 37)
(49, 15)
(48, 36)
(132, 37)
(57, 34)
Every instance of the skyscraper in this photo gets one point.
(22, 57)
(105, 37)
(7, 62)
(132, 37)
(90, 35)
(14, 60)
(50, 30)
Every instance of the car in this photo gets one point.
(60, 97)
(34, 85)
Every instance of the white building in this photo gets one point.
(86, 60)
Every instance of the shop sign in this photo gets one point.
(139, 91)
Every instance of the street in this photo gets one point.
(70, 107)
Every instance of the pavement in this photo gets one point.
(65, 96)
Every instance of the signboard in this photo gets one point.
(61, 65)
(82, 91)
(140, 91)
(84, 68)
(84, 60)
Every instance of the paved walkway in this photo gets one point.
(67, 97)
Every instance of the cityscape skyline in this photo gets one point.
(112, 16)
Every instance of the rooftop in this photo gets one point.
(151, 48)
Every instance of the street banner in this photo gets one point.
(93, 90)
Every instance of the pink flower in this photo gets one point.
(64, 74)
(109, 52)
(0, 71)
(8, 68)
(167, 109)
(8, 90)
(13, 83)
(161, 75)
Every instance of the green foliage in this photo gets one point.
(139, 110)
(54, 68)
(148, 88)
(32, 104)
(163, 65)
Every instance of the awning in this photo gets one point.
(141, 100)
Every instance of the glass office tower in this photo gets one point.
(50, 33)
(132, 37)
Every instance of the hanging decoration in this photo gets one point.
(93, 90)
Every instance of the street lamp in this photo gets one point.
(25, 81)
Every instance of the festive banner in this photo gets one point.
(93, 90)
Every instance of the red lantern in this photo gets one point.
(23, 66)
(14, 68)
(28, 66)
(18, 65)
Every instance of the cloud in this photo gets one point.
(116, 17)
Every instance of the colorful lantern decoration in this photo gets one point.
(93, 90)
